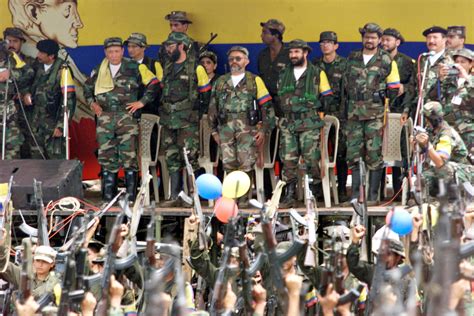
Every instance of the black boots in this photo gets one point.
(375, 177)
(131, 184)
(175, 188)
(289, 199)
(109, 185)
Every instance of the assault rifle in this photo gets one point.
(311, 259)
(42, 223)
(26, 274)
(360, 215)
(205, 46)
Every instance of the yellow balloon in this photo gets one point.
(236, 184)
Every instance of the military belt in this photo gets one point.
(299, 115)
(178, 106)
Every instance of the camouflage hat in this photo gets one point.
(464, 52)
(14, 32)
(178, 37)
(113, 41)
(328, 36)
(433, 108)
(371, 28)
(274, 24)
(396, 246)
(208, 54)
(45, 253)
(179, 16)
(395, 33)
(434, 29)
(234, 252)
(282, 247)
(458, 30)
(137, 39)
(241, 49)
(299, 43)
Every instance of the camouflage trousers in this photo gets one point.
(468, 138)
(13, 136)
(238, 148)
(294, 144)
(51, 147)
(117, 135)
(364, 140)
(174, 140)
(450, 171)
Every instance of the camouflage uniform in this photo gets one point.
(366, 86)
(22, 74)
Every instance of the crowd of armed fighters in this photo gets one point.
(418, 261)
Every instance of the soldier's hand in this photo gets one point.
(403, 118)
(422, 139)
(134, 106)
(217, 138)
(462, 72)
(27, 99)
(260, 139)
(96, 108)
(116, 291)
(88, 304)
(328, 302)
(417, 221)
(4, 75)
(401, 90)
(57, 132)
(259, 295)
(124, 229)
(443, 71)
(358, 232)
(293, 283)
(458, 290)
(193, 219)
(28, 309)
(229, 299)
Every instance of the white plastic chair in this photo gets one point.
(329, 178)
(147, 123)
(205, 157)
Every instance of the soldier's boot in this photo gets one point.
(109, 185)
(174, 201)
(131, 184)
(355, 186)
(375, 176)
(288, 200)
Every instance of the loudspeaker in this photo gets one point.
(60, 178)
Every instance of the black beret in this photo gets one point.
(434, 29)
(48, 46)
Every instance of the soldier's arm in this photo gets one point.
(204, 89)
(89, 86)
(360, 269)
(202, 263)
(12, 271)
(213, 111)
(151, 82)
(325, 92)
(23, 74)
(264, 101)
(409, 87)
(393, 81)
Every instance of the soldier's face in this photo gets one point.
(454, 42)
(135, 52)
(176, 26)
(267, 37)
(45, 58)
(237, 61)
(389, 43)
(435, 42)
(114, 54)
(298, 56)
(208, 64)
(328, 47)
(464, 63)
(370, 41)
(42, 267)
(14, 44)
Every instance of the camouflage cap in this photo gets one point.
(396, 246)
(178, 37)
(208, 54)
(241, 49)
(137, 39)
(464, 52)
(179, 16)
(113, 41)
(328, 36)
(433, 108)
(371, 28)
(457, 30)
(434, 29)
(274, 24)
(299, 43)
(395, 33)
(45, 253)
(14, 32)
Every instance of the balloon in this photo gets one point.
(236, 184)
(209, 186)
(225, 209)
(401, 221)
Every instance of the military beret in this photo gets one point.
(178, 37)
(396, 246)
(395, 33)
(433, 108)
(113, 41)
(457, 30)
(434, 29)
(14, 32)
(298, 43)
(328, 36)
(274, 24)
(371, 28)
(464, 52)
(238, 49)
(48, 46)
(137, 39)
(179, 16)
(210, 55)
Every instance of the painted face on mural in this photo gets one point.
(58, 20)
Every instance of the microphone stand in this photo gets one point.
(65, 74)
(5, 110)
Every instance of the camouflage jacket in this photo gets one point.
(334, 71)
(269, 70)
(367, 85)
(432, 83)
(237, 101)
(300, 114)
(407, 72)
(126, 88)
(459, 107)
(447, 141)
(21, 73)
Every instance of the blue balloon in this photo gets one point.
(401, 222)
(209, 186)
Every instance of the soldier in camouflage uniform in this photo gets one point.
(459, 97)
(238, 112)
(46, 95)
(370, 77)
(445, 150)
(456, 37)
(334, 66)
(186, 92)
(302, 87)
(391, 40)
(112, 92)
(11, 67)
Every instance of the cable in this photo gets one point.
(393, 198)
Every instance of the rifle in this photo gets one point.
(5, 206)
(332, 270)
(67, 284)
(360, 214)
(197, 202)
(26, 274)
(155, 286)
(42, 223)
(310, 259)
(205, 46)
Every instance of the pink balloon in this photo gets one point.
(225, 209)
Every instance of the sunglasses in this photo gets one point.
(237, 59)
